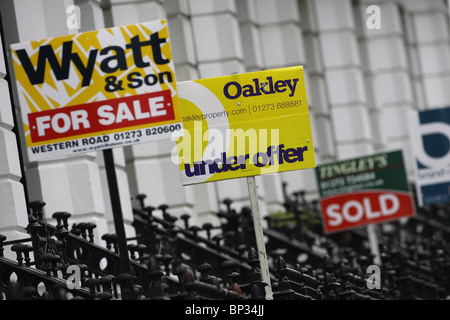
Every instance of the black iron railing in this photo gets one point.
(172, 259)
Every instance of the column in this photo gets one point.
(430, 22)
(387, 74)
(344, 78)
(282, 44)
(13, 216)
(219, 52)
(95, 16)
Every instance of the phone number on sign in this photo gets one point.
(279, 105)
(147, 132)
(118, 139)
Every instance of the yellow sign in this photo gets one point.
(244, 125)
(96, 90)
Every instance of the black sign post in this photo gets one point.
(116, 207)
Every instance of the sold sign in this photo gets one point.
(362, 191)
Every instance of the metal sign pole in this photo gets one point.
(373, 242)
(261, 247)
(117, 215)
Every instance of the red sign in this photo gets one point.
(345, 211)
(101, 116)
(365, 190)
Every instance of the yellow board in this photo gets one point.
(96, 90)
(244, 125)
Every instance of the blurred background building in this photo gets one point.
(366, 64)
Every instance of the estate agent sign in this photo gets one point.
(96, 90)
(362, 191)
(244, 125)
(429, 132)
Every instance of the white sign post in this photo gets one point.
(259, 235)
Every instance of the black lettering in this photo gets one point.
(238, 90)
(264, 161)
(153, 79)
(279, 86)
(214, 167)
(86, 71)
(35, 149)
(270, 85)
(189, 173)
(300, 152)
(45, 54)
(202, 165)
(168, 76)
(248, 91)
(156, 42)
(233, 160)
(290, 155)
(257, 91)
(119, 56)
(132, 77)
(136, 45)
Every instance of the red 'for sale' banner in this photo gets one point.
(101, 116)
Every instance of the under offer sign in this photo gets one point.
(96, 90)
(244, 125)
(362, 191)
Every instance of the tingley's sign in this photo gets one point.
(362, 191)
(96, 90)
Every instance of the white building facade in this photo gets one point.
(366, 64)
